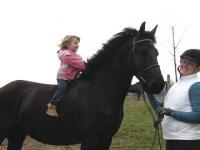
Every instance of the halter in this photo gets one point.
(140, 74)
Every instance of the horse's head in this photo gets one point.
(144, 60)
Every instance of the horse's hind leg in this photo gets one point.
(15, 140)
(3, 135)
(1, 140)
(5, 129)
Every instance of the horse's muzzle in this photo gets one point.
(155, 87)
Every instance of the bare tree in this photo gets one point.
(175, 46)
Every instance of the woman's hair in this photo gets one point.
(66, 40)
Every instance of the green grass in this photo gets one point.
(136, 131)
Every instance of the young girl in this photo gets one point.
(70, 67)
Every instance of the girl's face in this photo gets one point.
(187, 67)
(73, 44)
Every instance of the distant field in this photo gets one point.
(136, 131)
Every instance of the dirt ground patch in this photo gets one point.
(30, 144)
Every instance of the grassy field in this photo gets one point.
(136, 131)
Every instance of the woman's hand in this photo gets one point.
(164, 111)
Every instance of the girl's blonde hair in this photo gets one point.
(66, 40)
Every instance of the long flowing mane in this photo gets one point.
(111, 48)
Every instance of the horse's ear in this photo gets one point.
(142, 27)
(154, 30)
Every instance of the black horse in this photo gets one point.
(137, 88)
(92, 110)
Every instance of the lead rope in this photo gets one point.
(156, 122)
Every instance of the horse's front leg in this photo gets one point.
(96, 143)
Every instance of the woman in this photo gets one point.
(181, 106)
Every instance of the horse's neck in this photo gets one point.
(114, 78)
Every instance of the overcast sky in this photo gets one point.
(31, 29)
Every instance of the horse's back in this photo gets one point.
(14, 92)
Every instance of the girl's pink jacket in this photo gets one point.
(71, 65)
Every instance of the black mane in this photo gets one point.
(111, 48)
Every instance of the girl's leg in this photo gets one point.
(60, 92)
(57, 97)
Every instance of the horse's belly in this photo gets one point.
(55, 138)
(51, 132)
